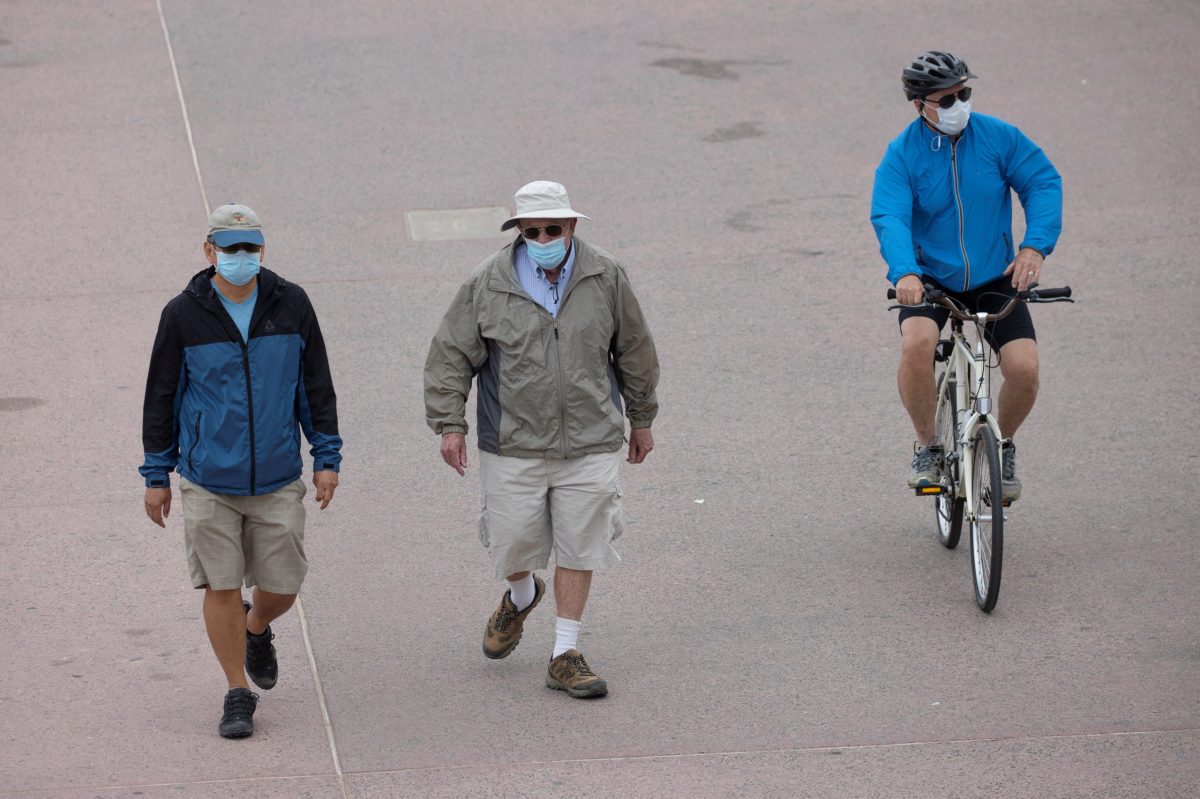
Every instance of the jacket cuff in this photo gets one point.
(451, 428)
(1042, 250)
(158, 480)
(640, 424)
(320, 465)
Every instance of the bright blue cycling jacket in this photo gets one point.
(942, 208)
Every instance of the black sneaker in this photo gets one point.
(261, 665)
(926, 466)
(1010, 484)
(238, 721)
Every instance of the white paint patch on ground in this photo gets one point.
(456, 223)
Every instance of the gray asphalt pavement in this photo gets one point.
(784, 623)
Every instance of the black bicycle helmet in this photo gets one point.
(933, 71)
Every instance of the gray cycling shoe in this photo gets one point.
(926, 466)
(1010, 484)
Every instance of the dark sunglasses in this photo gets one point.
(553, 231)
(240, 246)
(948, 100)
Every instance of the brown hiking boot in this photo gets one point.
(569, 672)
(504, 628)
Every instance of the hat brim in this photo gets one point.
(554, 213)
(224, 238)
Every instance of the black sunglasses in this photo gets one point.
(948, 100)
(553, 231)
(243, 246)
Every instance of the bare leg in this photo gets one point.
(517, 576)
(1019, 365)
(571, 592)
(225, 620)
(918, 339)
(267, 608)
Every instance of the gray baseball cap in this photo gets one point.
(235, 224)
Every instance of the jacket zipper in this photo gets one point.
(250, 404)
(236, 337)
(562, 392)
(962, 244)
(195, 441)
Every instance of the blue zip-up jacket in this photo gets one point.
(942, 208)
(227, 414)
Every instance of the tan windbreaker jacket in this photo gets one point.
(547, 387)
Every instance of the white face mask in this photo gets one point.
(952, 120)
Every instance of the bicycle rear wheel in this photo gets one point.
(948, 506)
(987, 524)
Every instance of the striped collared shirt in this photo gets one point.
(533, 279)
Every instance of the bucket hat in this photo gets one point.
(542, 199)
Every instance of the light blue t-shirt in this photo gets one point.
(239, 311)
(533, 279)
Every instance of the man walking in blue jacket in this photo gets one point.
(238, 369)
(942, 211)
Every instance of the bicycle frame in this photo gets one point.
(974, 407)
(967, 367)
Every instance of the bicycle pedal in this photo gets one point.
(928, 491)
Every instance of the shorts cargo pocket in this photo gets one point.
(617, 523)
(484, 537)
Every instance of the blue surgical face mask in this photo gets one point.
(239, 268)
(549, 255)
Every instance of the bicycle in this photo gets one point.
(965, 425)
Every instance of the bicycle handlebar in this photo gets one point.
(935, 298)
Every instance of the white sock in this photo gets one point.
(522, 592)
(566, 634)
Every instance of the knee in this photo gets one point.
(224, 598)
(1022, 370)
(917, 348)
(279, 602)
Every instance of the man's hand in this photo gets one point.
(1025, 269)
(910, 290)
(641, 441)
(158, 505)
(326, 483)
(454, 451)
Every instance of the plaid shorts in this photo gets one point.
(256, 540)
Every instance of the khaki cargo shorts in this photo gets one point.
(535, 506)
(257, 540)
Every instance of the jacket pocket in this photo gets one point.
(195, 441)
(1008, 248)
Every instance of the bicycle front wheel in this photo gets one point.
(987, 521)
(949, 506)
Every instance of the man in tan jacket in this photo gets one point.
(551, 330)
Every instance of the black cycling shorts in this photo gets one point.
(987, 298)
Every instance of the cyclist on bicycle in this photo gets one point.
(942, 211)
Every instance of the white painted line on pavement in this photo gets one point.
(187, 124)
(312, 665)
(785, 750)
